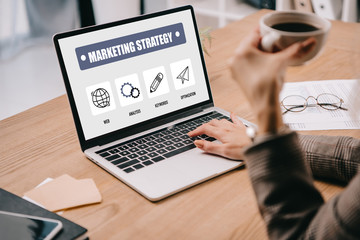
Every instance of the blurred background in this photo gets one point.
(29, 71)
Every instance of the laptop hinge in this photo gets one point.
(189, 113)
(155, 124)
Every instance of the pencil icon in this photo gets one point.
(155, 84)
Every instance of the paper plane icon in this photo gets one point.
(184, 75)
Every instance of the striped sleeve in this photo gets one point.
(332, 157)
(289, 203)
(283, 186)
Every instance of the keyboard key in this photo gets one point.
(191, 123)
(166, 132)
(189, 141)
(168, 137)
(158, 135)
(158, 146)
(185, 137)
(153, 154)
(170, 148)
(104, 154)
(167, 143)
(195, 138)
(199, 121)
(141, 141)
(216, 115)
(142, 152)
(132, 156)
(147, 163)
(121, 160)
(203, 136)
(133, 150)
(143, 158)
(132, 144)
(152, 143)
(142, 146)
(185, 131)
(176, 134)
(149, 138)
(177, 140)
(179, 150)
(161, 151)
(127, 164)
(124, 153)
(138, 166)
(210, 139)
(173, 129)
(115, 150)
(151, 149)
(182, 126)
(158, 159)
(160, 140)
(178, 145)
(122, 148)
(129, 170)
(113, 157)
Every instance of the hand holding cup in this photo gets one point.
(281, 29)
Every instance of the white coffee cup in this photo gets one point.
(284, 36)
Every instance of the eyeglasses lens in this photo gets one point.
(329, 101)
(294, 103)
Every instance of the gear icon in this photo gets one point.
(135, 92)
(126, 89)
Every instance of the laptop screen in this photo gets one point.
(124, 73)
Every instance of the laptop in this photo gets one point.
(136, 87)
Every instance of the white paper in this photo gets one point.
(318, 118)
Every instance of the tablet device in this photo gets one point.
(20, 226)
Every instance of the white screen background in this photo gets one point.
(118, 117)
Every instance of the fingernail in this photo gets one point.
(199, 144)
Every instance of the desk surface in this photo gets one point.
(42, 142)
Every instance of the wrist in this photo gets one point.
(269, 119)
(267, 136)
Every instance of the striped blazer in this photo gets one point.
(281, 169)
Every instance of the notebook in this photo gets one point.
(136, 87)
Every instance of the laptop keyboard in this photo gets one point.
(157, 146)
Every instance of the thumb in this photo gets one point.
(235, 120)
(298, 49)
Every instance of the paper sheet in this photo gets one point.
(317, 118)
(65, 192)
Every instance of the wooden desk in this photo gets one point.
(42, 142)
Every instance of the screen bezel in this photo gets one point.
(145, 125)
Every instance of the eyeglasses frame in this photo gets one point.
(306, 103)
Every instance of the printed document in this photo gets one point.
(318, 118)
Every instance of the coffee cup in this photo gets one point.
(280, 29)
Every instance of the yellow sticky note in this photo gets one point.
(65, 192)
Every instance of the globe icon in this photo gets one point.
(101, 98)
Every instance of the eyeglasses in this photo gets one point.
(297, 103)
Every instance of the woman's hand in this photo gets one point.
(232, 136)
(261, 76)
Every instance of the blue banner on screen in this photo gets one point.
(121, 48)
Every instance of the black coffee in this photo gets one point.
(294, 27)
